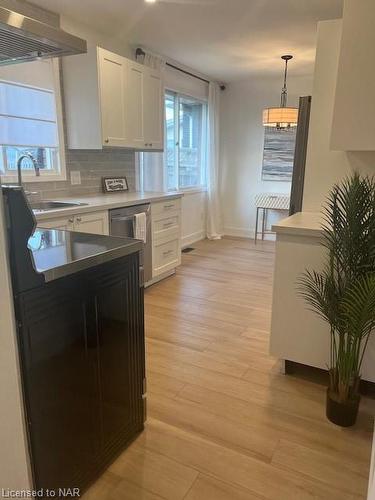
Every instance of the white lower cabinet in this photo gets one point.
(166, 231)
(166, 208)
(166, 256)
(93, 222)
(163, 228)
(63, 223)
(166, 236)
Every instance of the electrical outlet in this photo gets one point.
(75, 177)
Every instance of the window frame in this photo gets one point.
(177, 96)
(45, 175)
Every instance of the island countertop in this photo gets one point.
(56, 253)
(301, 223)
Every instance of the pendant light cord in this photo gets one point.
(284, 91)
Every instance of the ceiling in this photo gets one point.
(225, 39)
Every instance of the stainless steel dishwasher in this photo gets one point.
(122, 223)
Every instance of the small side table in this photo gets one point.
(265, 202)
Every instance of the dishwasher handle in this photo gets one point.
(122, 219)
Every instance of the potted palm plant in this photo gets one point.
(343, 293)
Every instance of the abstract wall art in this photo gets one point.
(278, 153)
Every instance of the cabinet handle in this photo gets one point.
(169, 206)
(168, 224)
(106, 141)
(71, 221)
(79, 219)
(168, 252)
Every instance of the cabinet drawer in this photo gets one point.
(166, 256)
(93, 223)
(166, 207)
(63, 223)
(166, 228)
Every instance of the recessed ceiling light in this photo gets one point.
(150, 1)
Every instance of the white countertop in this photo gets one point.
(105, 201)
(301, 223)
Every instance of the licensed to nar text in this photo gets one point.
(41, 493)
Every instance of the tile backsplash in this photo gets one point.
(93, 165)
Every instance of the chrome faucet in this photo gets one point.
(19, 166)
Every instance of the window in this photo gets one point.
(186, 141)
(31, 121)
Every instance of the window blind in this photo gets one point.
(27, 105)
(27, 116)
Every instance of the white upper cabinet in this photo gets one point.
(135, 99)
(353, 126)
(112, 101)
(113, 105)
(154, 109)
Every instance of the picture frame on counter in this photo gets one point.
(115, 184)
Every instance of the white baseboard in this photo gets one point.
(239, 232)
(192, 238)
(242, 232)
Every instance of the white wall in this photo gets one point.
(353, 126)
(242, 140)
(323, 166)
(95, 38)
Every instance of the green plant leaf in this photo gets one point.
(343, 293)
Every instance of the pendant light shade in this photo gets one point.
(280, 117)
(283, 116)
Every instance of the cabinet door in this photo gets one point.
(94, 223)
(63, 223)
(119, 313)
(153, 115)
(58, 345)
(166, 255)
(135, 105)
(166, 227)
(112, 83)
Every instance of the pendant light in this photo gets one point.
(282, 117)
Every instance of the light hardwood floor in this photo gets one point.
(223, 423)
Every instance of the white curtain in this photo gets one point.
(214, 217)
(153, 163)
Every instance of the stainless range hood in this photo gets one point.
(23, 38)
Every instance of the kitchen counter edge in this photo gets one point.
(300, 224)
(122, 248)
(99, 202)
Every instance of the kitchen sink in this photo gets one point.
(44, 206)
